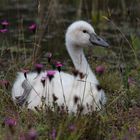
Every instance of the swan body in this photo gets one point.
(67, 89)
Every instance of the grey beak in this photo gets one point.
(96, 40)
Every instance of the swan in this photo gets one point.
(74, 92)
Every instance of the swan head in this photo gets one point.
(82, 34)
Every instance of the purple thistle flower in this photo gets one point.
(38, 67)
(50, 74)
(100, 69)
(4, 83)
(132, 130)
(49, 56)
(5, 23)
(3, 30)
(22, 136)
(10, 122)
(126, 137)
(32, 27)
(32, 134)
(58, 65)
(113, 137)
(53, 134)
(72, 127)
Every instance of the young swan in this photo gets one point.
(76, 93)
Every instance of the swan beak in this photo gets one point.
(96, 40)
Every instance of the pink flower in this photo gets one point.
(58, 65)
(3, 30)
(4, 83)
(100, 69)
(72, 127)
(50, 74)
(22, 136)
(10, 122)
(32, 134)
(49, 56)
(132, 130)
(5, 23)
(53, 134)
(38, 67)
(32, 27)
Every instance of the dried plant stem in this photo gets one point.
(41, 28)
(62, 88)
(123, 35)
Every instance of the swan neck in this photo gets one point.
(79, 60)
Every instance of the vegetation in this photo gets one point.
(29, 29)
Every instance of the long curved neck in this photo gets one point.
(80, 62)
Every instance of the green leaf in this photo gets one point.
(135, 42)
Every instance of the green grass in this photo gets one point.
(119, 120)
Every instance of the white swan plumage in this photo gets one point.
(66, 87)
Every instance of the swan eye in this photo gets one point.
(84, 31)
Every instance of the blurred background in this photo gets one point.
(116, 21)
(31, 28)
